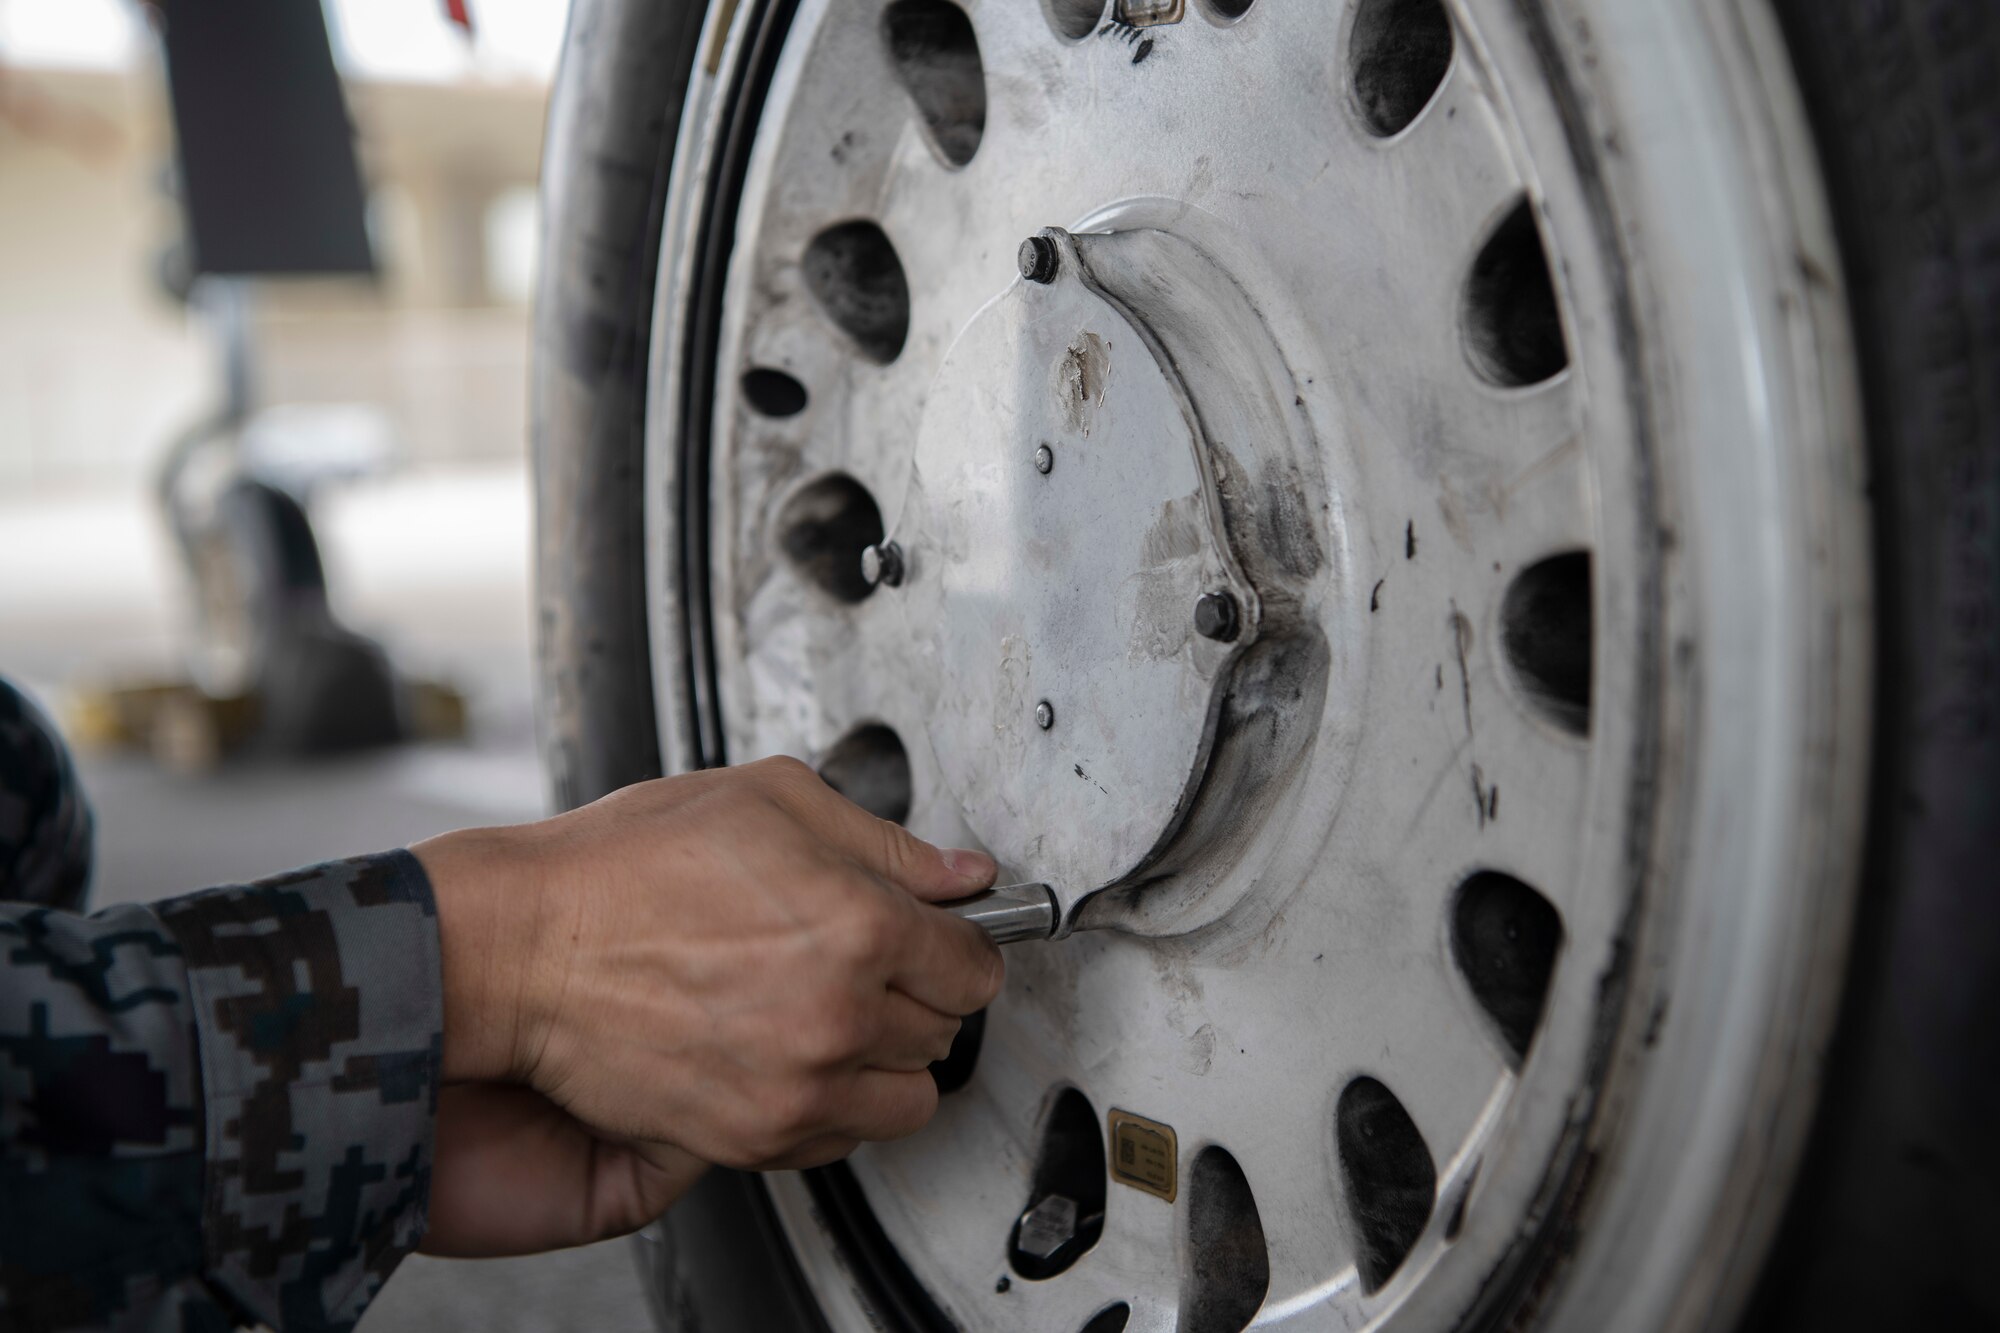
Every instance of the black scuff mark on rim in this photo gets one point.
(1529, 1273)
(1461, 640)
(899, 1300)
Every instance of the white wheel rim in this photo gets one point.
(1601, 826)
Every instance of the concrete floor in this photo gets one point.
(437, 567)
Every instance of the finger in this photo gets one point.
(909, 1036)
(814, 1152)
(883, 1104)
(878, 846)
(668, 1158)
(513, 1173)
(630, 1184)
(947, 963)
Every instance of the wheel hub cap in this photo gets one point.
(1072, 697)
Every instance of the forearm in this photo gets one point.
(316, 1002)
(227, 1097)
(492, 909)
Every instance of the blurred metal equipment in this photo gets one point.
(270, 187)
(267, 168)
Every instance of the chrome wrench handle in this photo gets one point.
(1010, 912)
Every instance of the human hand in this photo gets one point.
(513, 1173)
(739, 962)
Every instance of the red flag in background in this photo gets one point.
(456, 11)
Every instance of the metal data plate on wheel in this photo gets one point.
(1071, 695)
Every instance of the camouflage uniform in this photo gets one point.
(215, 1110)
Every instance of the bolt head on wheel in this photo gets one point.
(882, 565)
(1039, 259)
(1215, 617)
(1048, 1226)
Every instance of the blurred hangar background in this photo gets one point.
(390, 406)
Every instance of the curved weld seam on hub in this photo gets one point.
(1211, 491)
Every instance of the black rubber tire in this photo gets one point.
(610, 139)
(1892, 1222)
(717, 1260)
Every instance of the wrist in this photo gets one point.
(482, 882)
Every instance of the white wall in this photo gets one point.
(96, 367)
(99, 369)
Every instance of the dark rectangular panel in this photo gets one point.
(268, 175)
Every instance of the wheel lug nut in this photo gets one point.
(882, 564)
(1045, 715)
(1045, 460)
(1040, 259)
(1216, 617)
(1048, 1226)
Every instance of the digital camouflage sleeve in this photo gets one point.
(216, 1110)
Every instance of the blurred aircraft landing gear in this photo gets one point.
(271, 670)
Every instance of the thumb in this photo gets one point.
(933, 874)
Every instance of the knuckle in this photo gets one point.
(753, 802)
(770, 1146)
(870, 930)
(995, 978)
(892, 845)
(797, 1112)
(835, 1034)
(749, 1147)
(785, 773)
(921, 1106)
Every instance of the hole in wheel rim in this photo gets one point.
(1391, 1180)
(1229, 1267)
(852, 270)
(870, 767)
(1399, 53)
(1074, 20)
(936, 55)
(1069, 1166)
(1513, 329)
(824, 528)
(1505, 938)
(773, 393)
(955, 1071)
(1111, 1319)
(1546, 634)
